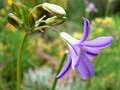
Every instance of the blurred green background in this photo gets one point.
(42, 52)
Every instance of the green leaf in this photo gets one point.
(16, 9)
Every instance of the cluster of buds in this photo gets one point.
(42, 15)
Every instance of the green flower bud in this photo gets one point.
(55, 20)
(51, 20)
(13, 20)
(54, 9)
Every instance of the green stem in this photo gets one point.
(19, 61)
(87, 14)
(108, 7)
(59, 68)
(47, 26)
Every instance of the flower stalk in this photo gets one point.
(19, 60)
(59, 68)
(109, 2)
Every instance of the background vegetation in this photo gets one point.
(43, 51)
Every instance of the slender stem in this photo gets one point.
(87, 14)
(40, 21)
(47, 26)
(108, 7)
(59, 68)
(19, 61)
(34, 8)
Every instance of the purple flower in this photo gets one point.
(82, 52)
(91, 7)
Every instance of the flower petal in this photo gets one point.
(65, 68)
(85, 67)
(90, 52)
(69, 38)
(87, 30)
(100, 42)
(75, 55)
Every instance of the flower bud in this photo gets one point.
(55, 20)
(54, 9)
(51, 20)
(13, 20)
